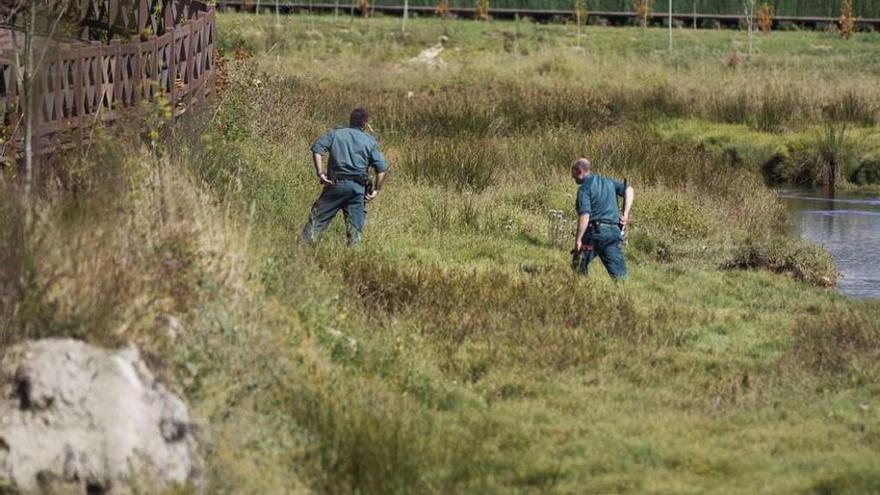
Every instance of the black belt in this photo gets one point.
(360, 179)
(596, 223)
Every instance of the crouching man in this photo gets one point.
(347, 184)
(600, 224)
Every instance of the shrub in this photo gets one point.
(234, 40)
(773, 169)
(481, 10)
(802, 260)
(868, 172)
(765, 18)
(847, 19)
(643, 9)
(442, 8)
(672, 216)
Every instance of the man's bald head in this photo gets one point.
(580, 169)
(582, 164)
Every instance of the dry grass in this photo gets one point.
(765, 18)
(839, 342)
(119, 260)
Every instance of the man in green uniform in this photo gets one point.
(352, 153)
(600, 224)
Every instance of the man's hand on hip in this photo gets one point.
(324, 180)
(371, 195)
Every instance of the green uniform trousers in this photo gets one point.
(604, 242)
(345, 195)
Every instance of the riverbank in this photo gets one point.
(848, 226)
(455, 352)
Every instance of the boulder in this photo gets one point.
(79, 419)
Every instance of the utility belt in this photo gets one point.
(363, 180)
(597, 224)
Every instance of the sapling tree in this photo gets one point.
(36, 24)
(749, 7)
(581, 13)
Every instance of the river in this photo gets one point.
(849, 227)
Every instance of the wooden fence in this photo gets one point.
(80, 84)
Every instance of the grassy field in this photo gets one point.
(455, 352)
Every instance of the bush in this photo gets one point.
(674, 217)
(868, 172)
(802, 260)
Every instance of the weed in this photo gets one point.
(799, 259)
(765, 18)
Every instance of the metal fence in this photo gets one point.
(806, 13)
(80, 84)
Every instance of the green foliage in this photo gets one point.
(868, 172)
(799, 259)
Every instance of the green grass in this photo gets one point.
(455, 352)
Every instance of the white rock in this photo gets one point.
(90, 420)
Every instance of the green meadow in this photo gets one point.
(455, 352)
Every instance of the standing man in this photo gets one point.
(346, 182)
(600, 224)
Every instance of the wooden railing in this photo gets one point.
(80, 84)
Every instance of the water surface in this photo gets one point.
(849, 227)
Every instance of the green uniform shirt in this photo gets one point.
(352, 151)
(597, 197)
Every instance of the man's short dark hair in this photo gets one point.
(359, 118)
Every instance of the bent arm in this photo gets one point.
(317, 160)
(628, 199)
(380, 179)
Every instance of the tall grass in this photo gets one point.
(466, 165)
(837, 343)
